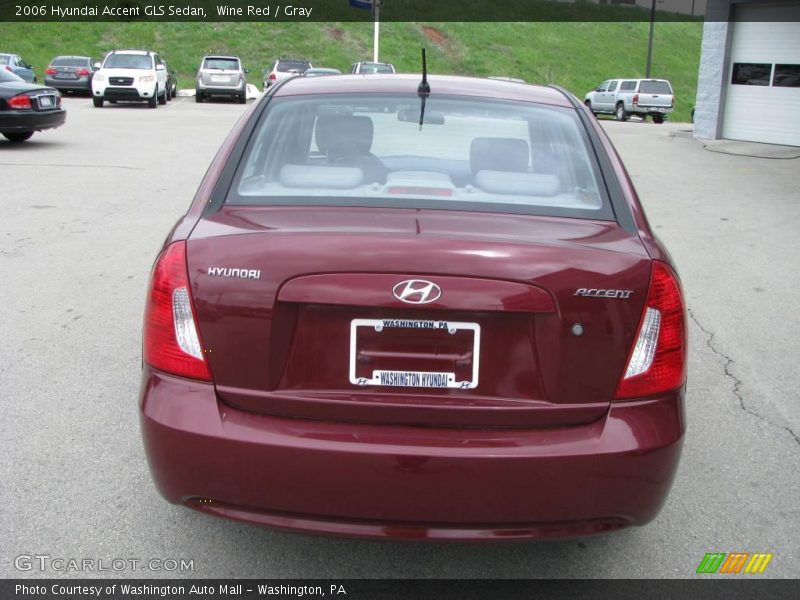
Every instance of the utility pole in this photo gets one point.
(377, 33)
(650, 40)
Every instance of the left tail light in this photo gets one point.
(50, 71)
(21, 102)
(171, 339)
(657, 361)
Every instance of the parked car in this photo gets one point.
(172, 82)
(131, 76)
(320, 72)
(19, 66)
(71, 73)
(369, 68)
(429, 316)
(26, 108)
(221, 77)
(281, 68)
(626, 97)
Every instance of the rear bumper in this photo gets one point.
(408, 482)
(18, 122)
(83, 84)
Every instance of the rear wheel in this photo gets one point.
(18, 137)
(198, 97)
(620, 112)
(97, 101)
(242, 99)
(168, 93)
(658, 119)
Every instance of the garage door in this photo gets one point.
(762, 102)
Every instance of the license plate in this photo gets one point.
(658, 110)
(411, 378)
(46, 101)
(219, 78)
(66, 76)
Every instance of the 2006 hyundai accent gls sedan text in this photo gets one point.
(415, 310)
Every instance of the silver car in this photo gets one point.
(221, 76)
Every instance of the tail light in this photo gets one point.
(83, 72)
(657, 362)
(672, 102)
(636, 99)
(50, 71)
(20, 102)
(272, 77)
(171, 340)
(9, 69)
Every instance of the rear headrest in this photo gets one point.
(498, 154)
(344, 133)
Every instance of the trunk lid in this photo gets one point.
(296, 310)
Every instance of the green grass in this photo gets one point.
(575, 55)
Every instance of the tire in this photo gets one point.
(168, 94)
(198, 97)
(16, 138)
(162, 99)
(620, 113)
(152, 102)
(97, 101)
(659, 119)
(588, 104)
(242, 99)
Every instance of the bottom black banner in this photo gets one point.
(417, 589)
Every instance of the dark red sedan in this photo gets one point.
(412, 312)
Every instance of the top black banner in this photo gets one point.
(392, 10)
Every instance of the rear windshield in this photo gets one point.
(128, 61)
(373, 68)
(226, 64)
(69, 61)
(287, 66)
(654, 87)
(4, 59)
(361, 150)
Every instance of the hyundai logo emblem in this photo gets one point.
(417, 291)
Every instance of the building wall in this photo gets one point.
(711, 79)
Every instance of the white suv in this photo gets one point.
(131, 75)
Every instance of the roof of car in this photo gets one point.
(407, 84)
(140, 52)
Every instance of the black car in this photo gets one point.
(172, 82)
(71, 73)
(26, 108)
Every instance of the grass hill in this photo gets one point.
(575, 55)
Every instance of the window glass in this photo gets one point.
(469, 154)
(612, 87)
(128, 61)
(628, 86)
(70, 61)
(225, 64)
(751, 73)
(287, 66)
(786, 76)
(654, 87)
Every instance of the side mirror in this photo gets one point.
(160, 68)
(97, 66)
(247, 70)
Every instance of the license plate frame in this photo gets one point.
(47, 101)
(422, 379)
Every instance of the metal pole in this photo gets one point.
(650, 40)
(377, 33)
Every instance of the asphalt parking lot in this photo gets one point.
(85, 209)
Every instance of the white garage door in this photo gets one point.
(762, 102)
